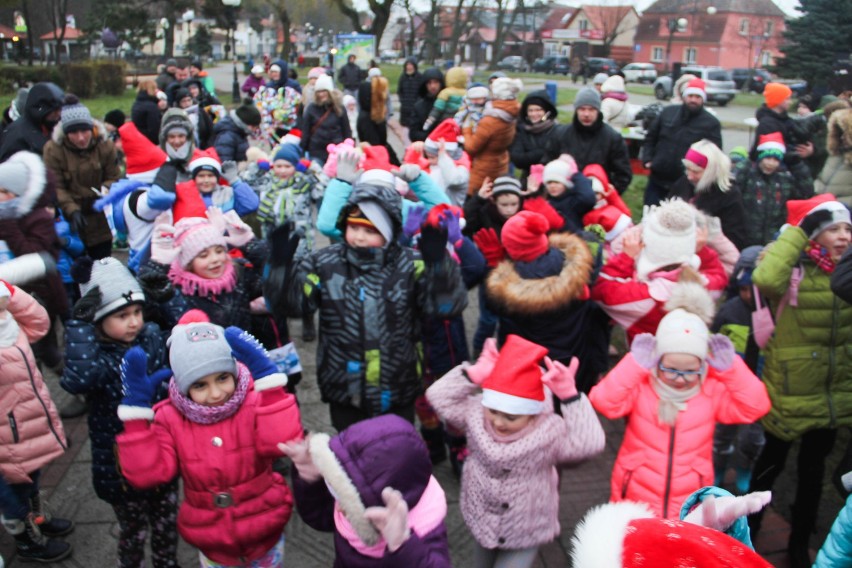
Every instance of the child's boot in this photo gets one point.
(47, 523)
(31, 544)
(434, 438)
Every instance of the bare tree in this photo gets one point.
(461, 18)
(502, 26)
(380, 9)
(58, 13)
(612, 21)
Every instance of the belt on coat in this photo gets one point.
(230, 496)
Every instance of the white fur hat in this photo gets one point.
(668, 233)
(324, 83)
(506, 89)
(560, 170)
(684, 328)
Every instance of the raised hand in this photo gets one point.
(561, 380)
(479, 371)
(392, 519)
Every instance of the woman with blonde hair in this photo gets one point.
(145, 112)
(708, 185)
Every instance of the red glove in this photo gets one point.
(540, 205)
(489, 245)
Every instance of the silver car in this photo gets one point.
(639, 73)
(719, 84)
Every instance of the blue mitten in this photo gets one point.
(248, 351)
(137, 386)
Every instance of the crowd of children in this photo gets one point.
(737, 345)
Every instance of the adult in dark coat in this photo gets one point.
(772, 117)
(278, 76)
(350, 76)
(841, 280)
(232, 132)
(536, 126)
(168, 75)
(590, 141)
(372, 114)
(325, 120)
(433, 82)
(145, 112)
(33, 129)
(407, 89)
(671, 134)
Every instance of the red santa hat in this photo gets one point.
(188, 202)
(524, 236)
(514, 386)
(628, 535)
(448, 130)
(771, 146)
(798, 209)
(207, 161)
(696, 87)
(142, 156)
(292, 137)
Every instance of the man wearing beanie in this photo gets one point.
(83, 161)
(772, 117)
(38, 117)
(671, 134)
(590, 141)
(230, 134)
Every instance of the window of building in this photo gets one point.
(657, 54)
(744, 26)
(765, 59)
(768, 28)
(584, 25)
(689, 55)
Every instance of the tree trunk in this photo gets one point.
(284, 16)
(501, 27)
(25, 11)
(169, 36)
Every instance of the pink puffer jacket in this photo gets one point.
(661, 465)
(31, 433)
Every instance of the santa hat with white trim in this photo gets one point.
(696, 87)
(449, 131)
(771, 146)
(206, 161)
(143, 157)
(514, 386)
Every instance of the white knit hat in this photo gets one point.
(668, 234)
(684, 328)
(560, 170)
(505, 89)
(324, 83)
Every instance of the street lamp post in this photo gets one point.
(673, 25)
(235, 87)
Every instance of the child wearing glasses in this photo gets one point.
(673, 387)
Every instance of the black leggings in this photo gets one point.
(813, 451)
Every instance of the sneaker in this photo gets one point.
(47, 523)
(31, 545)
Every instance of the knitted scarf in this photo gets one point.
(192, 284)
(538, 127)
(617, 95)
(672, 400)
(201, 414)
(820, 256)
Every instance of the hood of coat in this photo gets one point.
(531, 296)
(36, 181)
(282, 80)
(431, 74)
(457, 78)
(597, 171)
(388, 198)
(413, 61)
(98, 134)
(538, 98)
(365, 458)
(175, 116)
(227, 124)
(42, 99)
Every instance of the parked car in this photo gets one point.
(602, 65)
(552, 64)
(639, 73)
(513, 63)
(389, 55)
(718, 82)
(758, 78)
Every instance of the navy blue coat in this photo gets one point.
(230, 141)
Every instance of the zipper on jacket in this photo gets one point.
(831, 346)
(38, 397)
(669, 466)
(13, 424)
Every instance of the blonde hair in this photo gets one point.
(149, 86)
(718, 168)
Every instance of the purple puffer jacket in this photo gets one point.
(381, 452)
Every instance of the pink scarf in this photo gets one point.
(193, 285)
(201, 414)
(820, 256)
(426, 515)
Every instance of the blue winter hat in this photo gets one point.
(288, 152)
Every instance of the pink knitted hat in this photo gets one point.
(193, 235)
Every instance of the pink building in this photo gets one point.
(725, 33)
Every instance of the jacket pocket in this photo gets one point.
(13, 425)
(802, 369)
(631, 465)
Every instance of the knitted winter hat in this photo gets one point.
(771, 146)
(171, 62)
(478, 92)
(118, 287)
(257, 70)
(668, 233)
(248, 114)
(374, 72)
(115, 117)
(560, 170)
(175, 119)
(798, 209)
(324, 83)
(14, 175)
(316, 72)
(587, 96)
(684, 328)
(696, 87)
(600, 79)
(506, 184)
(448, 130)
(290, 153)
(75, 116)
(505, 89)
(524, 236)
(193, 235)
(198, 348)
(514, 386)
(371, 214)
(776, 93)
(205, 163)
(143, 157)
(613, 84)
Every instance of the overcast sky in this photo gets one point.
(786, 5)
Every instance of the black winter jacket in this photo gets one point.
(319, 132)
(671, 134)
(407, 89)
(531, 141)
(30, 132)
(146, 115)
(841, 280)
(596, 144)
(726, 205)
(769, 121)
(230, 141)
(423, 106)
(350, 76)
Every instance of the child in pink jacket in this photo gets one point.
(219, 428)
(673, 388)
(510, 487)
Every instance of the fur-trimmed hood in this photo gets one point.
(373, 97)
(98, 130)
(840, 135)
(530, 297)
(36, 181)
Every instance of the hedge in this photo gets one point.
(86, 80)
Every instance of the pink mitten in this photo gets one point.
(479, 371)
(239, 234)
(392, 519)
(217, 218)
(163, 248)
(719, 513)
(536, 174)
(722, 352)
(644, 350)
(297, 451)
(561, 379)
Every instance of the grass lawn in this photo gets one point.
(101, 105)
